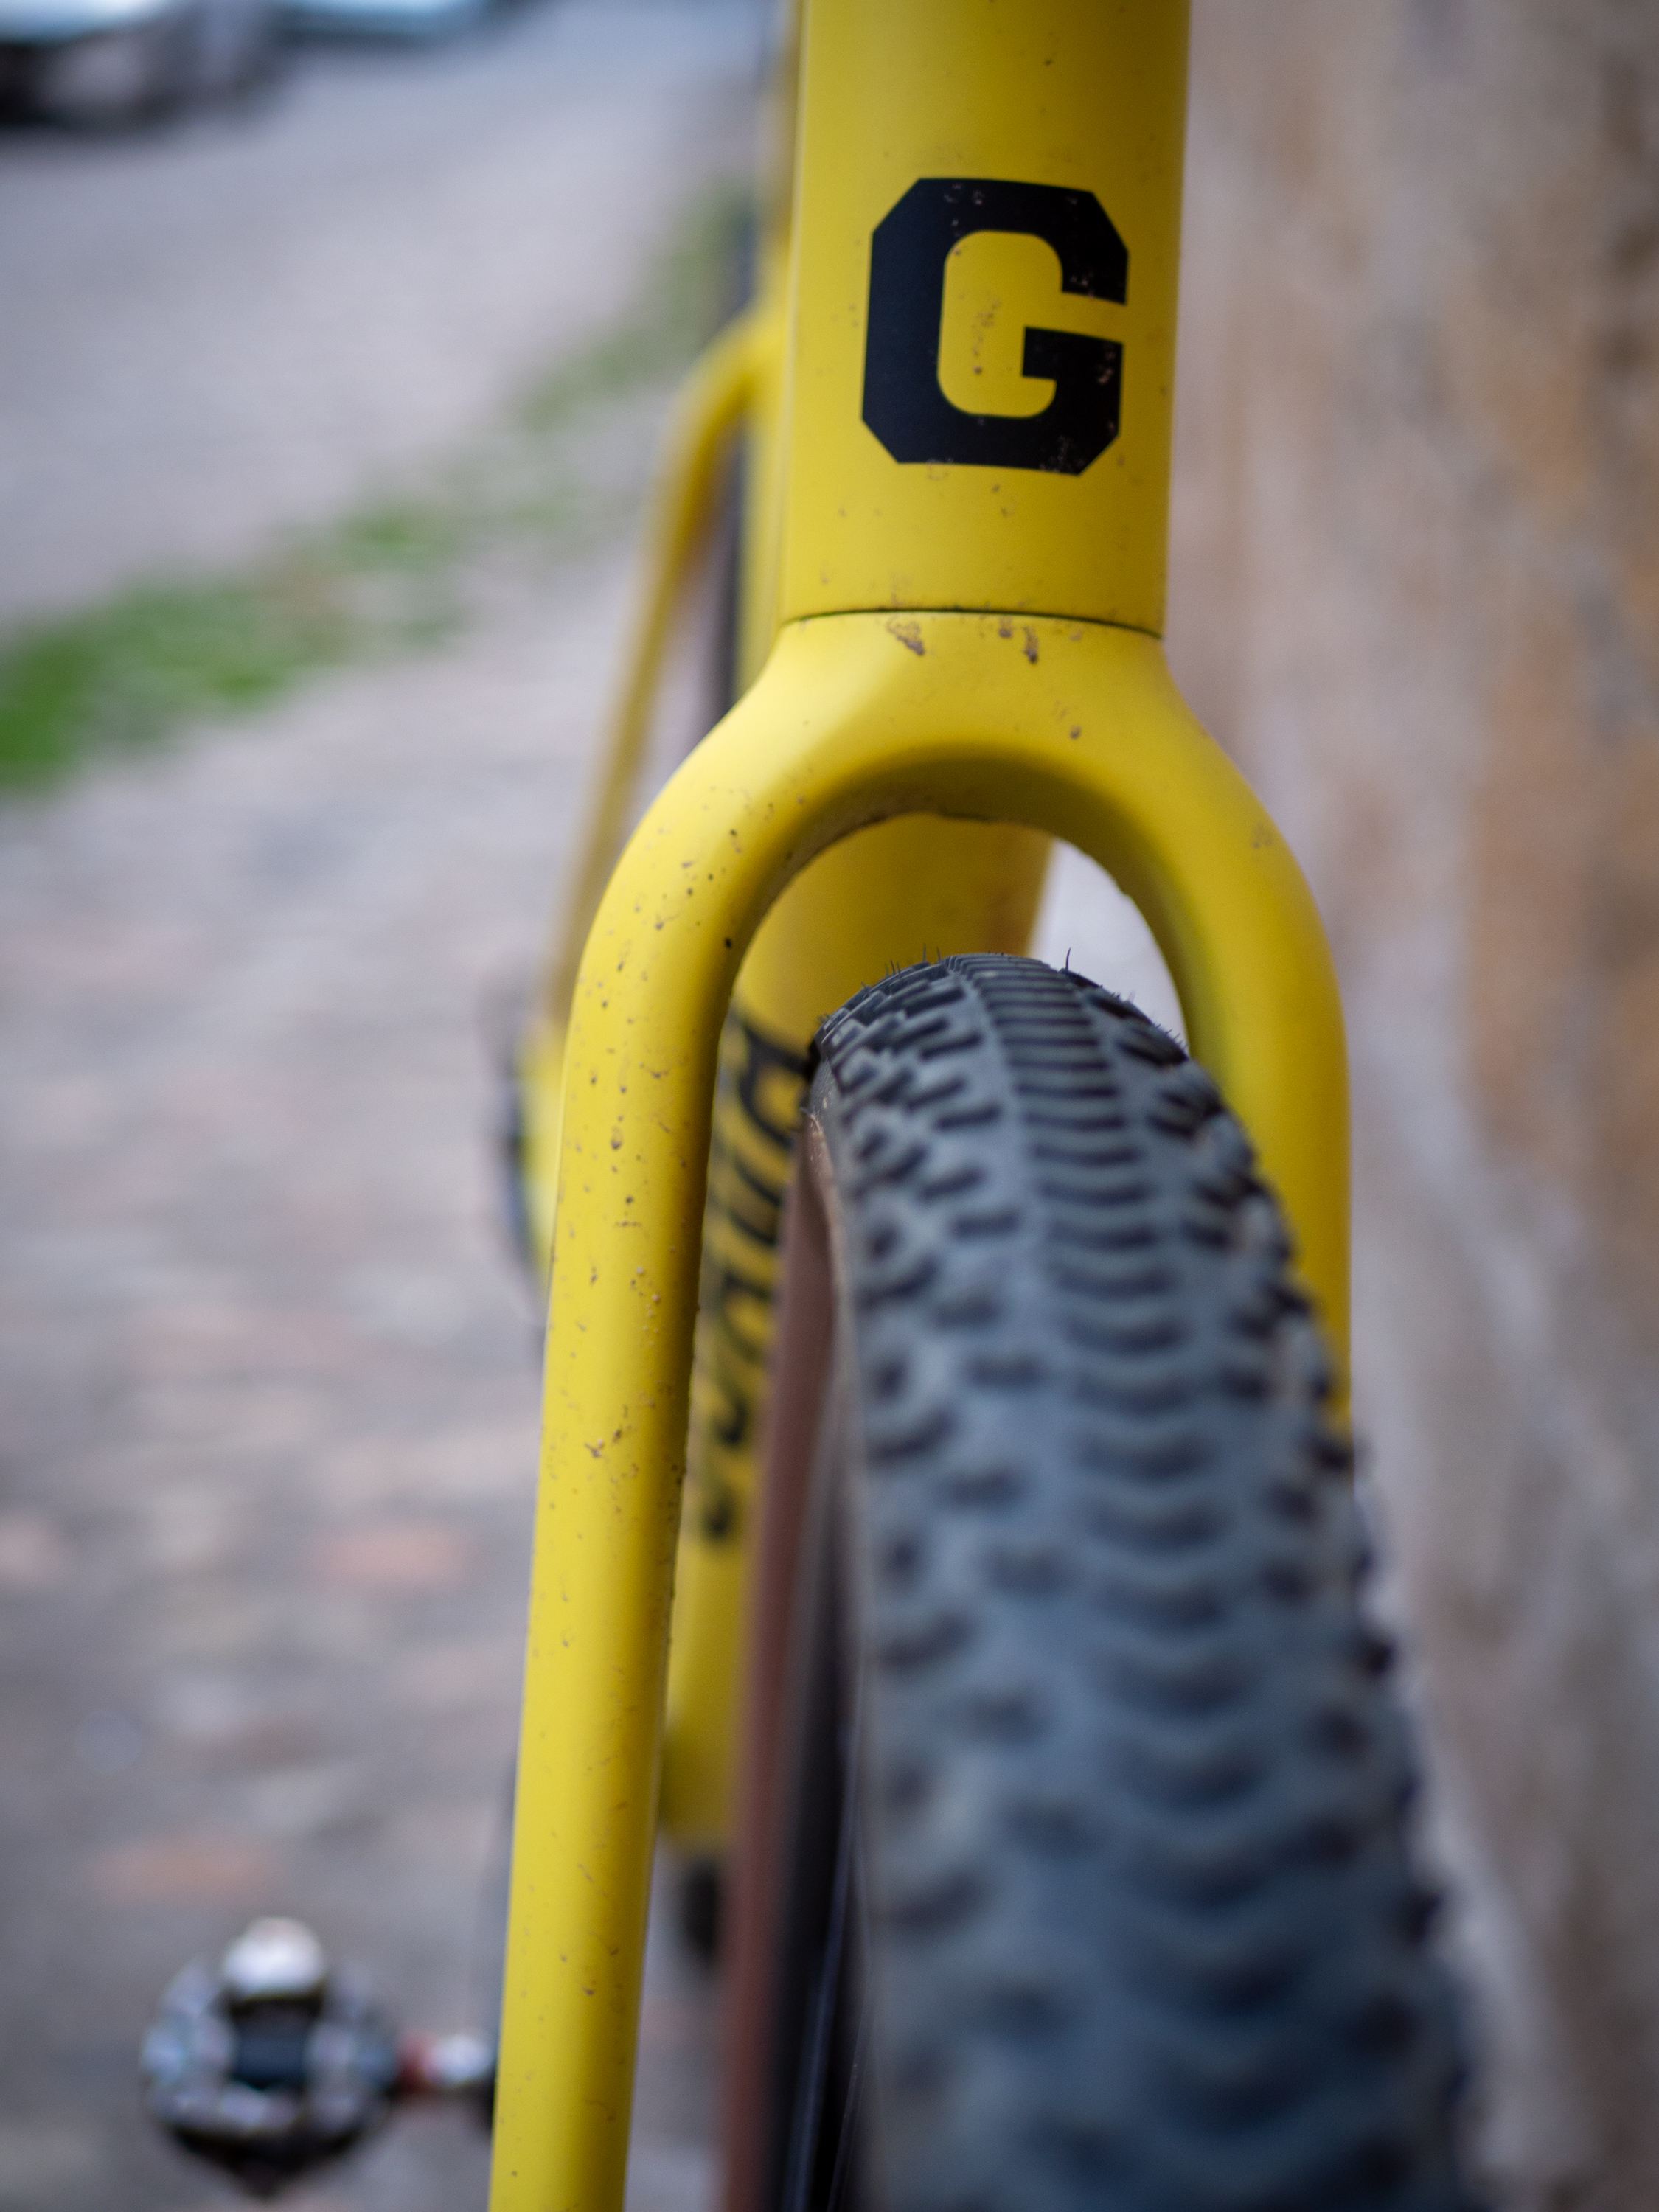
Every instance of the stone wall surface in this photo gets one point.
(1416, 592)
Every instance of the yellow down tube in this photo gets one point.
(903, 890)
(709, 411)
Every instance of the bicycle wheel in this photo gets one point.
(1074, 1870)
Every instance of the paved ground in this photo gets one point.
(267, 1371)
(222, 329)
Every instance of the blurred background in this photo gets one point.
(331, 357)
(326, 408)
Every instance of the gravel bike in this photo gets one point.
(1068, 1812)
(1019, 1675)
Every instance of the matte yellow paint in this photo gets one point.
(710, 409)
(1074, 728)
(956, 642)
(1086, 94)
(757, 1100)
(763, 481)
(1050, 103)
(899, 891)
(996, 283)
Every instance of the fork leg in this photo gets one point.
(1070, 727)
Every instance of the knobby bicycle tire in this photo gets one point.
(1076, 1873)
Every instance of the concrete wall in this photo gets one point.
(1416, 591)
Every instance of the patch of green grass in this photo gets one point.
(389, 577)
(152, 659)
(407, 537)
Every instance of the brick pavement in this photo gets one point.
(268, 1375)
(268, 1371)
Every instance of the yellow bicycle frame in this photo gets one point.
(966, 625)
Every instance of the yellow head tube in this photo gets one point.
(979, 401)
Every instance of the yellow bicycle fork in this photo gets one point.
(957, 545)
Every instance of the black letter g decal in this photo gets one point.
(903, 404)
